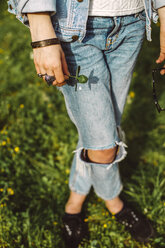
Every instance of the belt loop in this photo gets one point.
(136, 15)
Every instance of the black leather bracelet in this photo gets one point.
(43, 43)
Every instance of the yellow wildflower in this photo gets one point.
(55, 223)
(113, 217)
(132, 94)
(16, 149)
(1, 205)
(105, 225)
(86, 220)
(10, 191)
(21, 106)
(164, 204)
(3, 131)
(1, 190)
(3, 143)
(67, 171)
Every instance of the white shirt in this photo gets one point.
(115, 7)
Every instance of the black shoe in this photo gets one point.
(74, 230)
(137, 224)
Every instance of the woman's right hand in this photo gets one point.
(48, 60)
(51, 60)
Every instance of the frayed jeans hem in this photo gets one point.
(111, 197)
(77, 191)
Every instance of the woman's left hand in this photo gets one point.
(161, 58)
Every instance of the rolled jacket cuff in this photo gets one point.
(159, 3)
(32, 6)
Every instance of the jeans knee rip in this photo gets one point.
(84, 168)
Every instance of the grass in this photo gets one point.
(36, 144)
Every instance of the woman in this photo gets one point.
(104, 38)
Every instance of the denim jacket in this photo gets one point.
(70, 16)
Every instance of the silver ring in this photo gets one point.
(41, 75)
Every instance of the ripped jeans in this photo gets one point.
(107, 56)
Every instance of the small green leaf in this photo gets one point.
(82, 79)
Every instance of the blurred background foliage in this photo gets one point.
(36, 144)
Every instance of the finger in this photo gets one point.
(64, 65)
(161, 58)
(59, 84)
(66, 77)
(162, 72)
(63, 83)
(59, 75)
(43, 71)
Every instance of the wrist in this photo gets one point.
(43, 43)
(41, 27)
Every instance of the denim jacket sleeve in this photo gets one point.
(20, 7)
(159, 3)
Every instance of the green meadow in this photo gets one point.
(37, 140)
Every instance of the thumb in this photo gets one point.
(64, 65)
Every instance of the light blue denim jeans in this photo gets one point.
(107, 56)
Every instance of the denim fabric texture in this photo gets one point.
(71, 15)
(107, 56)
